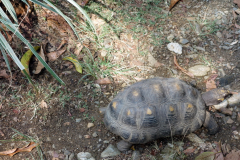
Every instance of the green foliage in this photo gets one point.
(13, 27)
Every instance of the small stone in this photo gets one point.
(80, 136)
(85, 156)
(219, 35)
(152, 61)
(71, 157)
(66, 152)
(90, 125)
(170, 37)
(78, 120)
(95, 134)
(199, 48)
(175, 47)
(230, 121)
(238, 117)
(86, 136)
(199, 70)
(183, 41)
(234, 115)
(48, 139)
(110, 151)
(106, 141)
(136, 155)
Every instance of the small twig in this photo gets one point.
(182, 69)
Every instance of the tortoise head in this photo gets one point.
(215, 96)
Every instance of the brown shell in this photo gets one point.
(155, 108)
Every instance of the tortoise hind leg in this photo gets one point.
(210, 124)
(123, 146)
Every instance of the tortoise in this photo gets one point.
(159, 107)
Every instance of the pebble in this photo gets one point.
(175, 47)
(183, 41)
(170, 37)
(95, 134)
(110, 151)
(78, 120)
(71, 157)
(85, 156)
(66, 152)
(89, 125)
(136, 155)
(230, 121)
(152, 61)
(234, 115)
(199, 48)
(86, 136)
(219, 35)
(80, 136)
(199, 70)
(238, 117)
(106, 141)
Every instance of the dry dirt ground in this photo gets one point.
(131, 45)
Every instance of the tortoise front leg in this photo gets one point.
(123, 146)
(210, 124)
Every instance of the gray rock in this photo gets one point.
(78, 120)
(136, 155)
(199, 70)
(95, 134)
(234, 115)
(170, 37)
(71, 157)
(183, 41)
(66, 152)
(110, 151)
(219, 35)
(199, 48)
(85, 156)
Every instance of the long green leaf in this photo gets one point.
(5, 58)
(10, 9)
(64, 16)
(8, 48)
(43, 5)
(20, 36)
(84, 13)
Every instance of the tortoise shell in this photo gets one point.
(155, 108)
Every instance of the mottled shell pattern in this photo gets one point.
(155, 108)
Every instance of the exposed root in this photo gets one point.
(182, 69)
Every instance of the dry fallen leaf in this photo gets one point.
(27, 148)
(40, 66)
(205, 155)
(61, 44)
(234, 155)
(211, 84)
(173, 2)
(75, 62)
(3, 74)
(103, 81)
(1, 133)
(54, 55)
(189, 150)
(25, 60)
(78, 49)
(66, 123)
(43, 104)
